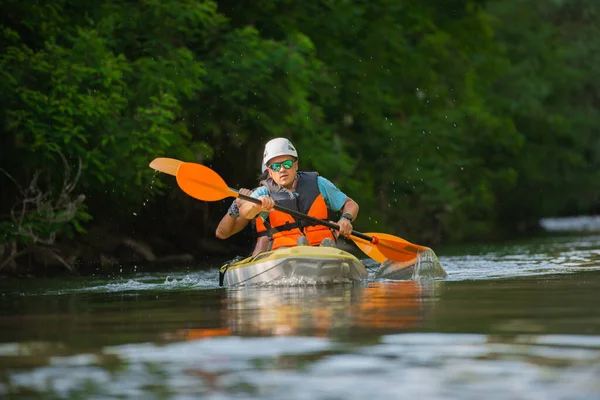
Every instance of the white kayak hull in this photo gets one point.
(312, 264)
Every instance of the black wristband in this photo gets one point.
(348, 216)
(233, 211)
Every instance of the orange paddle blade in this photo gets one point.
(396, 252)
(389, 247)
(369, 249)
(396, 241)
(398, 249)
(166, 165)
(203, 183)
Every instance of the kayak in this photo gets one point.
(301, 263)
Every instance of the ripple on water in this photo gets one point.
(561, 256)
(433, 366)
(159, 282)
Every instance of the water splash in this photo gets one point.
(557, 256)
(426, 267)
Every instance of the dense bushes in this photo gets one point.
(446, 121)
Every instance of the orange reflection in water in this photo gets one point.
(281, 311)
(195, 334)
(390, 305)
(319, 311)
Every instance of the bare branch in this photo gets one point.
(38, 211)
(14, 254)
(69, 188)
(54, 255)
(12, 179)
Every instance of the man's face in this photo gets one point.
(283, 176)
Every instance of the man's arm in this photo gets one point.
(229, 226)
(350, 207)
(337, 200)
(231, 223)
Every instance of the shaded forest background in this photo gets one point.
(447, 121)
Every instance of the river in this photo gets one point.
(511, 321)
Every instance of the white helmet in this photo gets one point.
(278, 147)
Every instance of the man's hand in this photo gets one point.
(267, 203)
(243, 191)
(345, 226)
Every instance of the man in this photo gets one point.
(306, 192)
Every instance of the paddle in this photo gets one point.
(166, 165)
(203, 183)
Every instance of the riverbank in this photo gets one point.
(104, 250)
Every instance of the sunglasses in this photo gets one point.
(287, 164)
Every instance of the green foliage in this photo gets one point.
(42, 225)
(444, 120)
(40, 214)
(82, 97)
(552, 94)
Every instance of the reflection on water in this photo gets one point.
(320, 311)
(395, 305)
(519, 322)
(432, 366)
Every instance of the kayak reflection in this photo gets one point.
(333, 311)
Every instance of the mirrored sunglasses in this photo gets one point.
(287, 164)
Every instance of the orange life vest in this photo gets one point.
(283, 230)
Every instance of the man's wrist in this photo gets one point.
(234, 211)
(348, 216)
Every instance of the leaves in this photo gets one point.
(448, 120)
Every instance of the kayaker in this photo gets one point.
(306, 192)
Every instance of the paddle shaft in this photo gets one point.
(205, 184)
(305, 217)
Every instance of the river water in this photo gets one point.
(513, 321)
